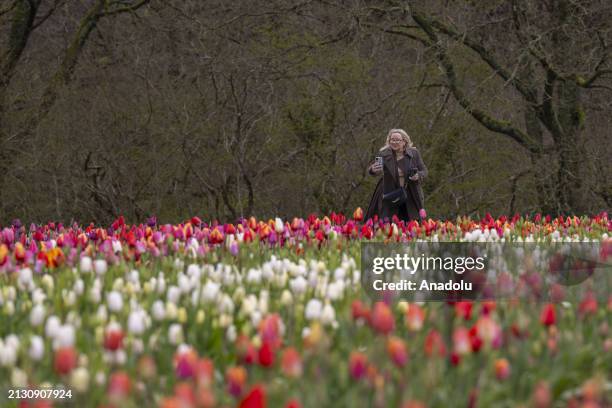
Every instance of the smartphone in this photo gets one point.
(379, 160)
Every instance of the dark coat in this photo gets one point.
(390, 181)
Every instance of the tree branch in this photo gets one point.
(528, 93)
(48, 14)
(8, 9)
(123, 9)
(495, 125)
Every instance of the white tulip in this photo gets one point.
(328, 315)
(9, 308)
(184, 283)
(134, 276)
(64, 337)
(171, 310)
(286, 298)
(8, 355)
(19, 379)
(12, 341)
(102, 314)
(313, 309)
(298, 285)
(175, 334)
(70, 298)
(339, 274)
(136, 322)
(266, 271)
(334, 290)
(37, 315)
(79, 287)
(278, 225)
(79, 379)
(230, 335)
(115, 301)
(86, 264)
(24, 278)
(95, 295)
(52, 326)
(117, 246)
(210, 291)
(161, 285)
(100, 266)
(173, 295)
(137, 346)
(37, 348)
(158, 310)
(38, 296)
(254, 276)
(120, 357)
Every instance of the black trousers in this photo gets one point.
(406, 212)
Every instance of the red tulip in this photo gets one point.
(455, 358)
(463, 309)
(360, 311)
(487, 307)
(415, 316)
(489, 331)
(461, 341)
(256, 398)
(216, 237)
(119, 385)
(397, 351)
(475, 340)
(358, 364)
(113, 339)
(65, 360)
(204, 372)
(502, 369)
(588, 305)
(366, 232)
(266, 355)
(542, 397)
(236, 378)
(185, 392)
(548, 316)
(382, 320)
(185, 363)
(170, 402)
(205, 398)
(270, 330)
(293, 404)
(358, 214)
(245, 350)
(291, 362)
(434, 345)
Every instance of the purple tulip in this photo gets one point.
(234, 248)
(152, 221)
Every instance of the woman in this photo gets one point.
(401, 166)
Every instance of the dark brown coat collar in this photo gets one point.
(388, 152)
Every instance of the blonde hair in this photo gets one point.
(402, 133)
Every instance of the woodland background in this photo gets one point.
(275, 108)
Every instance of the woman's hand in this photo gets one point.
(376, 168)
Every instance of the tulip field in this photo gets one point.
(271, 313)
